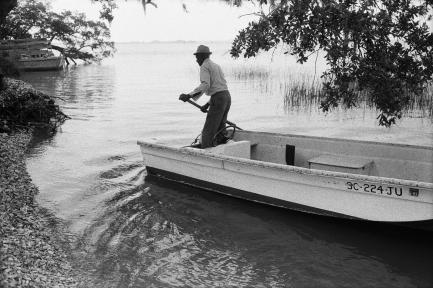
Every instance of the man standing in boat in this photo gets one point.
(213, 84)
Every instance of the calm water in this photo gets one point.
(133, 231)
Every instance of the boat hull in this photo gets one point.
(425, 225)
(242, 194)
(45, 64)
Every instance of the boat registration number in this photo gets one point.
(376, 189)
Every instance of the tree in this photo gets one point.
(107, 7)
(81, 38)
(382, 47)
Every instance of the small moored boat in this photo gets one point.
(352, 179)
(40, 60)
(31, 54)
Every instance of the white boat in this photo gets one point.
(40, 60)
(360, 180)
(31, 54)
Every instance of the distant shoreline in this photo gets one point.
(173, 41)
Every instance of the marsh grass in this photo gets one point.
(301, 96)
(303, 92)
(422, 105)
(255, 73)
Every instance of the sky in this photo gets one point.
(205, 20)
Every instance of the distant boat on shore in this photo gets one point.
(31, 54)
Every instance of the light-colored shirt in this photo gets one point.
(212, 79)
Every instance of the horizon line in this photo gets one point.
(171, 41)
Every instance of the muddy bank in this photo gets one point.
(33, 249)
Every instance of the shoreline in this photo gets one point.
(34, 250)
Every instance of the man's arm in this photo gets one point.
(204, 83)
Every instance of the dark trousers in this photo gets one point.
(216, 117)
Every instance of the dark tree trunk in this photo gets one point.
(5, 7)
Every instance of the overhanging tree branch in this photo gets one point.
(378, 46)
(81, 38)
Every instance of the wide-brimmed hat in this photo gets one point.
(202, 49)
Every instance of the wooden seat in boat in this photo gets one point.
(342, 163)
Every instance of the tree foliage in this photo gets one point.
(80, 38)
(382, 47)
(21, 106)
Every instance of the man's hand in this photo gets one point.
(205, 107)
(184, 97)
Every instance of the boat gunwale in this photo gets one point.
(402, 145)
(289, 168)
(56, 58)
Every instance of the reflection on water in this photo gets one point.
(84, 88)
(134, 231)
(163, 234)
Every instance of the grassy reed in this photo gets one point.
(422, 105)
(298, 96)
(250, 73)
(303, 92)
